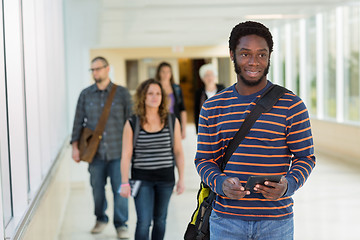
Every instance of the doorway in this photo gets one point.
(190, 82)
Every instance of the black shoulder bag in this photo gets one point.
(198, 228)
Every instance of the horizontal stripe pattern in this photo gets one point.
(153, 150)
(280, 142)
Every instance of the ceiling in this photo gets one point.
(179, 23)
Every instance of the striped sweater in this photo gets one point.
(280, 142)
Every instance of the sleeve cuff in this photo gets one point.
(219, 182)
(291, 186)
(73, 140)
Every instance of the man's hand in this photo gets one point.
(233, 188)
(75, 152)
(272, 190)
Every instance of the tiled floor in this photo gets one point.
(326, 208)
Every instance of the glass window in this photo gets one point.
(5, 161)
(296, 57)
(4, 146)
(282, 47)
(15, 121)
(352, 65)
(277, 60)
(5, 167)
(311, 64)
(330, 65)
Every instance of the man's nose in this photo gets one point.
(253, 60)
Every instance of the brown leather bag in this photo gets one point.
(90, 140)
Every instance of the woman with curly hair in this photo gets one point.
(152, 156)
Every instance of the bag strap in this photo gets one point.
(171, 123)
(100, 126)
(135, 124)
(264, 104)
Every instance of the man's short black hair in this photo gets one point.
(102, 59)
(249, 28)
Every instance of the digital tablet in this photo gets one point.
(253, 180)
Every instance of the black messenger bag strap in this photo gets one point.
(264, 104)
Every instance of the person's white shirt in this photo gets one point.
(210, 94)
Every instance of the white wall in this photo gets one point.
(80, 19)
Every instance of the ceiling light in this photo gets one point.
(273, 16)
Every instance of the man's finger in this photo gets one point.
(262, 188)
(271, 184)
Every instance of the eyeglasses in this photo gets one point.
(96, 69)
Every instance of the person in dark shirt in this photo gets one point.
(106, 162)
(208, 74)
(173, 91)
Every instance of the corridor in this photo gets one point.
(326, 208)
(45, 56)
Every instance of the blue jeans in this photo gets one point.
(236, 229)
(151, 204)
(99, 171)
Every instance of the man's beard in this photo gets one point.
(98, 80)
(247, 82)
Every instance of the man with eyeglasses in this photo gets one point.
(106, 162)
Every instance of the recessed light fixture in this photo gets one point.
(275, 16)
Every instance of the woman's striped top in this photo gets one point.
(153, 157)
(280, 142)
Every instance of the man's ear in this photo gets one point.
(231, 55)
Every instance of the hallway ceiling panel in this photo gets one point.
(179, 23)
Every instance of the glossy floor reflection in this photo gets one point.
(326, 208)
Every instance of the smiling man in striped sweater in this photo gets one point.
(280, 142)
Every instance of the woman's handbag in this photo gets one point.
(90, 140)
(198, 228)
